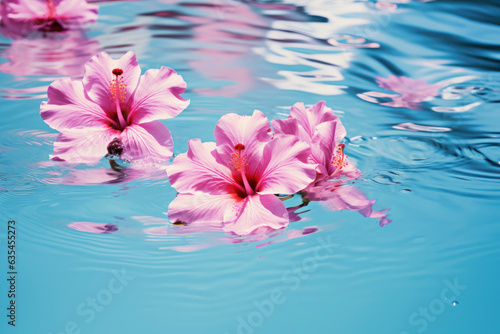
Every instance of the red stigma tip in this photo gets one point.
(342, 145)
(117, 71)
(239, 147)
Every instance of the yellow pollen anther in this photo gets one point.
(118, 89)
(238, 162)
(339, 158)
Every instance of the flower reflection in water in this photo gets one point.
(216, 56)
(20, 18)
(48, 41)
(62, 53)
(158, 229)
(61, 173)
(410, 92)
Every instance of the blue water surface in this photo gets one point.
(434, 164)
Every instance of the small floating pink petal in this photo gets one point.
(93, 227)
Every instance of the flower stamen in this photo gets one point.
(339, 159)
(118, 92)
(238, 164)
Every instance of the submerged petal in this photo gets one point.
(198, 170)
(68, 107)
(284, 168)
(98, 77)
(337, 198)
(147, 142)
(254, 212)
(200, 208)
(157, 96)
(83, 145)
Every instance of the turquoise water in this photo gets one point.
(434, 163)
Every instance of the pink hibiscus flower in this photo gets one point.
(232, 183)
(114, 110)
(320, 128)
(21, 17)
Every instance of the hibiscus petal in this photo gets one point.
(288, 126)
(157, 96)
(83, 145)
(284, 168)
(310, 118)
(324, 144)
(98, 77)
(200, 208)
(256, 211)
(147, 143)
(251, 131)
(69, 108)
(198, 170)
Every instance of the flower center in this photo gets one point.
(239, 163)
(49, 20)
(118, 93)
(339, 159)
